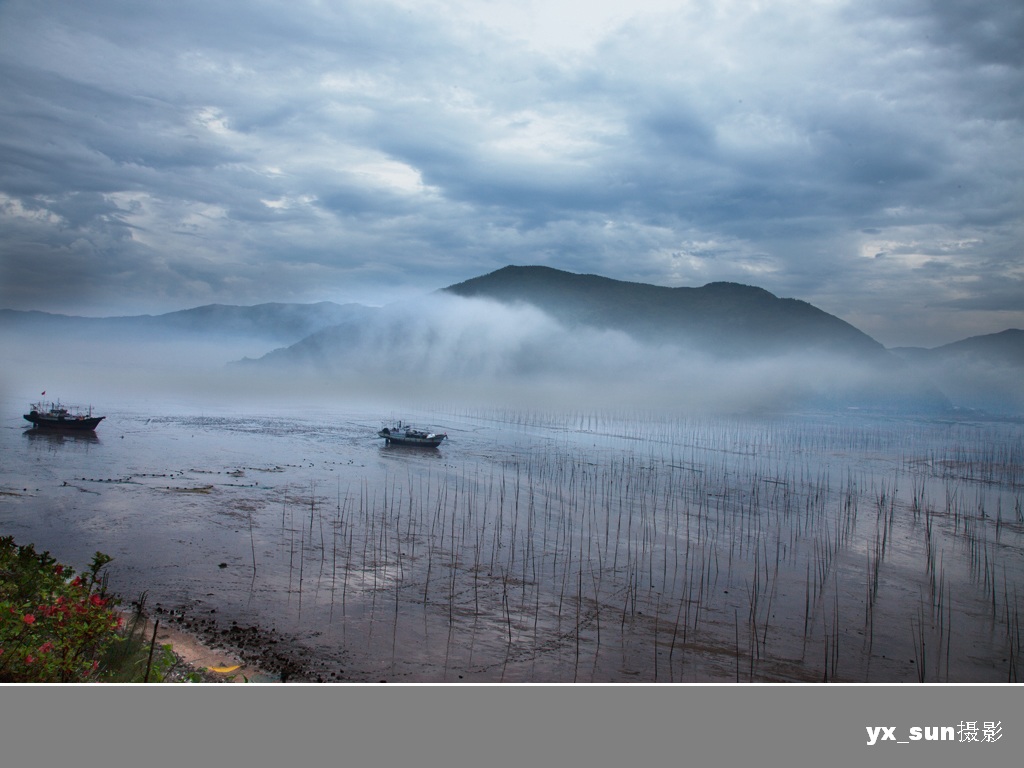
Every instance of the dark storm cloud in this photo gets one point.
(984, 32)
(176, 154)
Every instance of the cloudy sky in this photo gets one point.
(866, 156)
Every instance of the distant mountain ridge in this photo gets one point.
(1005, 346)
(728, 319)
(280, 322)
(983, 373)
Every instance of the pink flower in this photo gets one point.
(46, 647)
(97, 600)
(28, 618)
(29, 659)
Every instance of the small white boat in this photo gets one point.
(404, 434)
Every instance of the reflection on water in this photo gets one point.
(61, 437)
(565, 546)
(391, 449)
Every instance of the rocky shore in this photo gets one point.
(231, 653)
(197, 660)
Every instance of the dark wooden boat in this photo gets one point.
(57, 416)
(403, 434)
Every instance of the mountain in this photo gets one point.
(726, 319)
(1003, 348)
(275, 322)
(981, 373)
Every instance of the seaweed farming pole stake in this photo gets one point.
(736, 624)
(252, 543)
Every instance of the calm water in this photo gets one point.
(550, 547)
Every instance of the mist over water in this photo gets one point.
(445, 347)
(487, 352)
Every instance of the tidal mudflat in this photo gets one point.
(549, 546)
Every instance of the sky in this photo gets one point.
(864, 156)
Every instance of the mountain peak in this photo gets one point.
(726, 318)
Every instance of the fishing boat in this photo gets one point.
(404, 434)
(57, 416)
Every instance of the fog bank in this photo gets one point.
(450, 349)
(448, 346)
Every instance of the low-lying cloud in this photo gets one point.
(452, 347)
(446, 349)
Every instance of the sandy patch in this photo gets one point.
(215, 666)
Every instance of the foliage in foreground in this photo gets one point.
(57, 626)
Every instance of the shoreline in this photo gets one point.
(211, 664)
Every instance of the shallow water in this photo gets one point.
(549, 546)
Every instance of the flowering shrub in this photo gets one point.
(55, 626)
